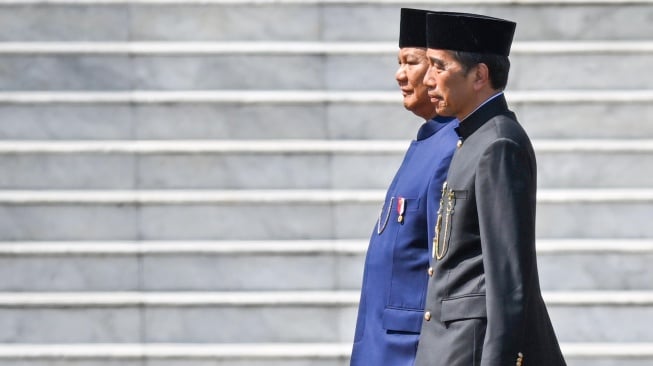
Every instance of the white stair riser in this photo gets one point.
(332, 72)
(275, 272)
(189, 361)
(245, 361)
(302, 21)
(195, 324)
(281, 221)
(285, 323)
(310, 170)
(300, 121)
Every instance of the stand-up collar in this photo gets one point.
(474, 121)
(430, 127)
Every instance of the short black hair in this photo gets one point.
(498, 65)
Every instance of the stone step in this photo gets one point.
(306, 316)
(177, 354)
(330, 66)
(564, 264)
(282, 214)
(231, 20)
(268, 354)
(304, 114)
(224, 164)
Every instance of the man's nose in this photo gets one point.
(428, 80)
(401, 73)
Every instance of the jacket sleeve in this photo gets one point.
(505, 192)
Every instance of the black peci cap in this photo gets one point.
(412, 28)
(469, 33)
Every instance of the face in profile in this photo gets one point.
(413, 65)
(450, 86)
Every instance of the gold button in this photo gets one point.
(427, 316)
(430, 271)
(460, 143)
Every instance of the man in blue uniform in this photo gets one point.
(484, 306)
(395, 276)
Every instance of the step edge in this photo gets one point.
(338, 298)
(267, 350)
(287, 196)
(171, 48)
(327, 2)
(285, 247)
(296, 146)
(297, 97)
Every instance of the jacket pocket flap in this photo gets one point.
(404, 320)
(467, 307)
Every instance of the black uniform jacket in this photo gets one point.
(484, 305)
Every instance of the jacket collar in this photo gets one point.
(487, 111)
(430, 127)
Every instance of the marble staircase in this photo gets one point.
(192, 182)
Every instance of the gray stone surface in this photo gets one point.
(301, 121)
(66, 222)
(226, 22)
(249, 324)
(70, 325)
(66, 171)
(52, 22)
(65, 73)
(336, 22)
(252, 361)
(585, 120)
(251, 272)
(231, 121)
(66, 122)
(254, 221)
(560, 271)
(594, 169)
(242, 171)
(185, 361)
(246, 221)
(199, 323)
(535, 22)
(590, 361)
(258, 72)
(594, 220)
(301, 72)
(60, 361)
(595, 271)
(596, 323)
(70, 273)
(609, 361)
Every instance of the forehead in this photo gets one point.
(412, 51)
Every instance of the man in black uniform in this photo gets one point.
(484, 305)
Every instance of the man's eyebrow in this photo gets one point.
(436, 61)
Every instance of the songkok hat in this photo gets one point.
(469, 33)
(412, 28)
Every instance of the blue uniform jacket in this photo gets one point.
(395, 276)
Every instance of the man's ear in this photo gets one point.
(481, 76)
